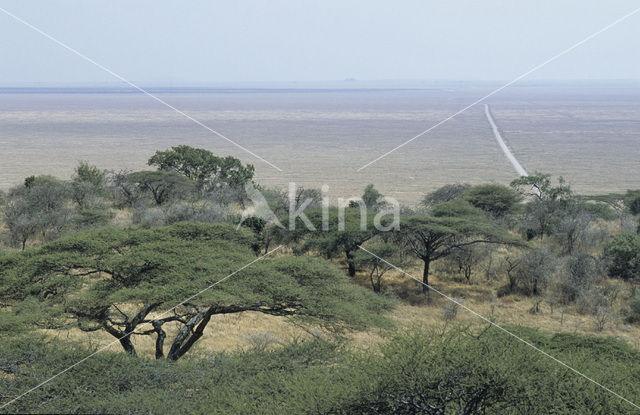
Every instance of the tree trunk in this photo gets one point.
(425, 277)
(467, 273)
(375, 284)
(187, 336)
(351, 264)
(161, 335)
(127, 345)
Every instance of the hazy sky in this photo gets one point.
(279, 40)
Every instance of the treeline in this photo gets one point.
(537, 235)
(188, 184)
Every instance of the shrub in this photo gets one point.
(90, 218)
(534, 270)
(578, 273)
(495, 199)
(633, 314)
(624, 256)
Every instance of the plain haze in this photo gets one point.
(281, 40)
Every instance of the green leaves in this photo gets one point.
(203, 167)
(624, 255)
(93, 276)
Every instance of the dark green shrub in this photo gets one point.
(624, 256)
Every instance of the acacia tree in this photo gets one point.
(203, 167)
(386, 256)
(445, 228)
(446, 193)
(162, 186)
(617, 203)
(87, 183)
(546, 202)
(122, 281)
(623, 253)
(492, 198)
(38, 207)
(346, 229)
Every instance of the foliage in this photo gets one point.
(382, 256)
(633, 315)
(623, 253)
(92, 217)
(494, 199)
(416, 372)
(445, 193)
(39, 207)
(632, 201)
(203, 167)
(578, 273)
(600, 210)
(534, 270)
(97, 276)
(162, 186)
(458, 372)
(447, 227)
(372, 198)
(347, 228)
(546, 202)
(124, 191)
(88, 183)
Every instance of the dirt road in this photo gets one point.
(507, 152)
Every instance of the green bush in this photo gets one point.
(624, 256)
(419, 372)
(633, 315)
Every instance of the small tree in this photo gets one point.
(494, 199)
(87, 183)
(377, 265)
(578, 274)
(445, 193)
(344, 233)
(39, 207)
(162, 186)
(534, 270)
(632, 201)
(465, 259)
(546, 202)
(447, 227)
(571, 229)
(616, 202)
(372, 198)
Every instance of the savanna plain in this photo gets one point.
(482, 293)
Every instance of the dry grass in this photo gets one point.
(252, 329)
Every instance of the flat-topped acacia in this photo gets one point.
(123, 280)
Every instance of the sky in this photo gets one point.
(217, 41)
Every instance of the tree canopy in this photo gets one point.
(446, 227)
(347, 229)
(119, 280)
(203, 167)
(623, 253)
(495, 199)
(162, 186)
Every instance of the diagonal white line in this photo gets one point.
(112, 73)
(535, 68)
(503, 329)
(133, 332)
